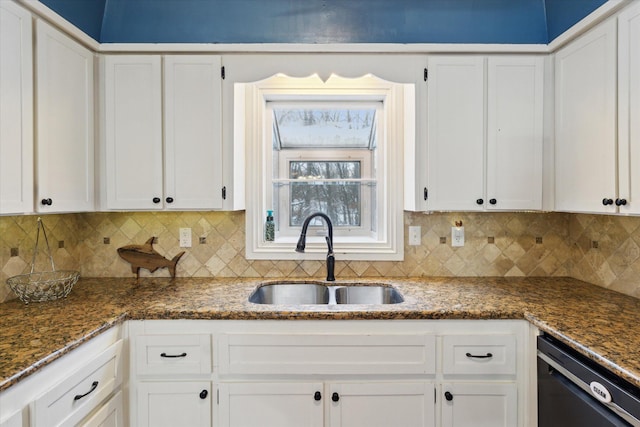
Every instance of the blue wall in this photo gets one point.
(84, 14)
(324, 21)
(562, 14)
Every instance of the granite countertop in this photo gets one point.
(599, 323)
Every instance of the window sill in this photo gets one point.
(350, 249)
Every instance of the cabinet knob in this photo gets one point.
(621, 202)
(156, 200)
(46, 202)
(479, 201)
(169, 199)
(448, 396)
(607, 202)
(335, 397)
(317, 396)
(204, 394)
(493, 201)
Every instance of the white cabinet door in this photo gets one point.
(132, 140)
(16, 110)
(514, 132)
(271, 404)
(110, 414)
(176, 403)
(65, 132)
(455, 133)
(14, 420)
(629, 110)
(585, 154)
(193, 132)
(479, 405)
(381, 404)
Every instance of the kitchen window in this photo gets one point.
(324, 161)
(334, 147)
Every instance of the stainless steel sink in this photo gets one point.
(290, 293)
(316, 293)
(368, 295)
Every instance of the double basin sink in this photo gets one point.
(317, 293)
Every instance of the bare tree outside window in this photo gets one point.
(340, 200)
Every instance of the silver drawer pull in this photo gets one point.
(93, 387)
(479, 356)
(173, 355)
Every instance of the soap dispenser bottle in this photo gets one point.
(269, 228)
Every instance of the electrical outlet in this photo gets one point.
(415, 235)
(457, 236)
(185, 237)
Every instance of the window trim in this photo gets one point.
(251, 118)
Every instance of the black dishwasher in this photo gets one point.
(574, 391)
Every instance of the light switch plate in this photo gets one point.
(415, 235)
(457, 236)
(185, 237)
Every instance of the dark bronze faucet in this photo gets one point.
(331, 261)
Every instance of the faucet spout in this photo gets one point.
(331, 261)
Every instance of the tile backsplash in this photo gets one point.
(601, 249)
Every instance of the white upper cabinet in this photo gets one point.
(16, 110)
(132, 138)
(514, 132)
(485, 132)
(585, 104)
(140, 172)
(193, 132)
(455, 130)
(65, 130)
(629, 110)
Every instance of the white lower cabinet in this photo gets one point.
(171, 378)
(367, 404)
(479, 380)
(13, 420)
(174, 403)
(330, 373)
(81, 388)
(295, 404)
(388, 404)
(70, 401)
(111, 414)
(309, 404)
(483, 404)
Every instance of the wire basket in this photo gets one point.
(45, 285)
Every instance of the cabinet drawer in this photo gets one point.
(173, 354)
(327, 354)
(72, 399)
(479, 355)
